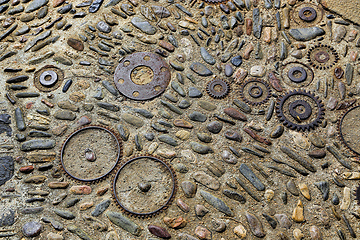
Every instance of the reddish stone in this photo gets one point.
(159, 231)
(57, 3)
(26, 169)
(274, 81)
(75, 44)
(232, 112)
(168, 46)
(83, 189)
(182, 123)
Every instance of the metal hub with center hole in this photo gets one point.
(48, 78)
(142, 76)
(144, 186)
(255, 91)
(297, 74)
(322, 57)
(300, 110)
(84, 159)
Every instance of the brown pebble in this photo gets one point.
(159, 231)
(75, 44)
(248, 25)
(232, 112)
(83, 189)
(182, 205)
(182, 123)
(27, 169)
(175, 223)
(102, 190)
(202, 233)
(58, 185)
(168, 46)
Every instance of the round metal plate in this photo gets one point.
(40, 75)
(154, 87)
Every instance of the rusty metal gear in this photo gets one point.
(255, 91)
(48, 78)
(142, 76)
(144, 186)
(349, 129)
(300, 110)
(322, 56)
(218, 88)
(297, 74)
(84, 159)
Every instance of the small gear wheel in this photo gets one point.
(322, 56)
(349, 129)
(297, 74)
(91, 153)
(144, 186)
(307, 14)
(217, 88)
(300, 110)
(255, 91)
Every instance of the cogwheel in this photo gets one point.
(86, 159)
(300, 110)
(322, 57)
(255, 91)
(144, 186)
(349, 131)
(217, 88)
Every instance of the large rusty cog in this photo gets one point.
(151, 213)
(349, 131)
(116, 139)
(307, 110)
(255, 91)
(223, 91)
(322, 56)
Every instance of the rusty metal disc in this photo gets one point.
(142, 76)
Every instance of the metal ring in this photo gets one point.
(119, 152)
(302, 116)
(302, 78)
(309, 18)
(51, 82)
(255, 94)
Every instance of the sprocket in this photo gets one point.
(144, 186)
(322, 56)
(300, 110)
(85, 159)
(217, 88)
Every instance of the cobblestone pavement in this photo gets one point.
(181, 119)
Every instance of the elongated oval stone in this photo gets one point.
(216, 203)
(37, 144)
(250, 175)
(206, 180)
(125, 223)
(306, 34)
(255, 225)
(201, 69)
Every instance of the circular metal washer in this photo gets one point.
(289, 71)
(57, 77)
(48, 83)
(151, 89)
(255, 91)
(306, 120)
(310, 18)
(103, 142)
(305, 109)
(322, 56)
(349, 129)
(297, 69)
(300, 18)
(217, 88)
(144, 168)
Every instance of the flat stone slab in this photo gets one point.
(347, 9)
